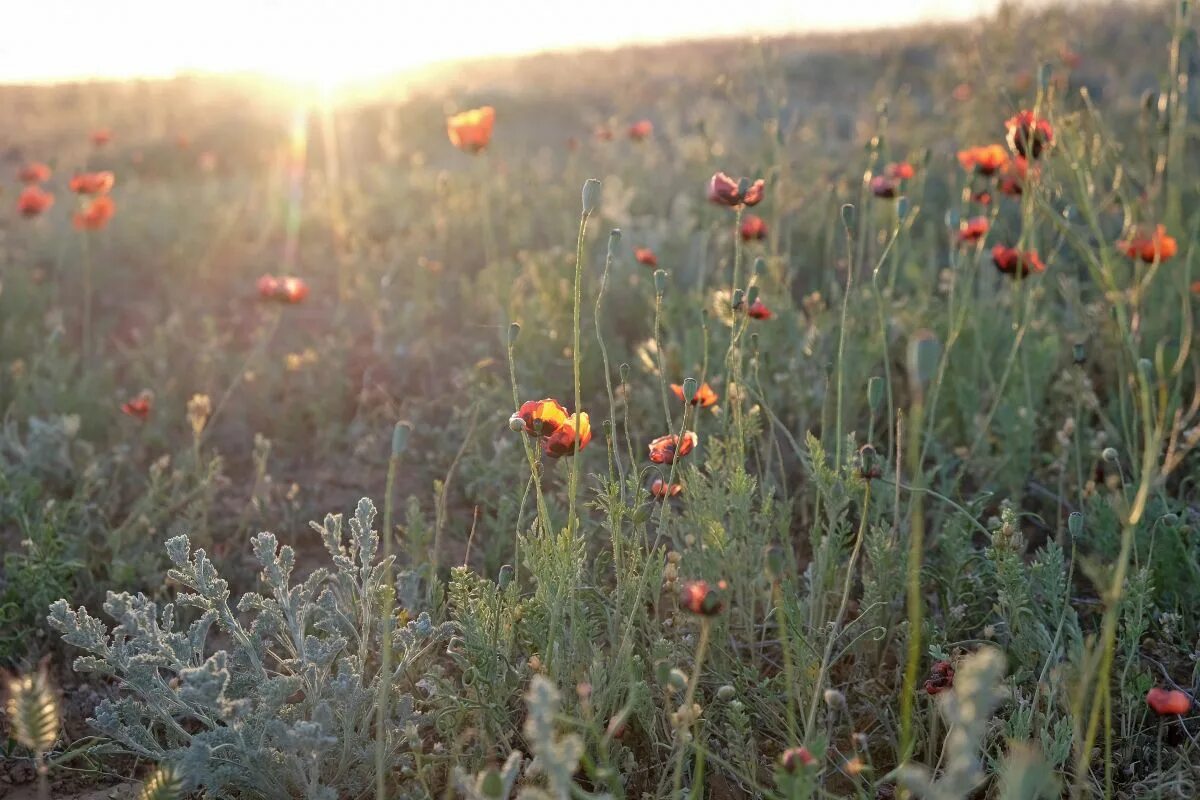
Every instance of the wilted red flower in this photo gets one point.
(540, 417)
(34, 172)
(1166, 702)
(1012, 261)
(885, 187)
(757, 310)
(138, 407)
(642, 129)
(470, 131)
(941, 677)
(704, 396)
(724, 190)
(101, 137)
(33, 200)
(753, 227)
(96, 214)
(700, 598)
(796, 758)
(92, 182)
(563, 441)
(1149, 245)
(669, 448)
(285, 289)
(1028, 134)
(901, 171)
(973, 229)
(986, 160)
(660, 489)
(644, 255)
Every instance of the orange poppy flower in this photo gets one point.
(941, 677)
(885, 187)
(139, 407)
(724, 190)
(757, 310)
(471, 130)
(96, 214)
(973, 229)
(641, 130)
(1149, 245)
(285, 289)
(539, 417)
(33, 200)
(1012, 261)
(101, 137)
(645, 255)
(753, 227)
(1167, 702)
(92, 182)
(986, 160)
(701, 599)
(660, 489)
(796, 758)
(704, 396)
(1028, 134)
(901, 171)
(572, 435)
(34, 172)
(669, 448)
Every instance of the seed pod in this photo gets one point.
(400, 438)
(514, 330)
(1110, 455)
(752, 295)
(591, 196)
(1075, 524)
(875, 392)
(726, 693)
(660, 281)
(924, 350)
(506, 576)
(689, 389)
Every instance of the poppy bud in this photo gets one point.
(493, 784)
(754, 341)
(591, 196)
(400, 438)
(689, 387)
(514, 330)
(738, 298)
(614, 239)
(848, 216)
(701, 599)
(760, 266)
(924, 350)
(726, 693)
(1109, 454)
(1075, 524)
(660, 281)
(1078, 353)
(1170, 519)
(516, 424)
(506, 576)
(875, 392)
(796, 758)
(902, 206)
(1146, 367)
(677, 679)
(834, 698)
(624, 371)
(868, 463)
(752, 295)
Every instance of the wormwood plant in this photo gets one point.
(286, 707)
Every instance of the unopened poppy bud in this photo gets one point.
(1170, 519)
(614, 238)
(868, 462)
(660, 281)
(726, 693)
(739, 297)
(591, 196)
(834, 698)
(760, 266)
(689, 387)
(400, 438)
(923, 353)
(776, 562)
(506, 576)
(875, 392)
(493, 784)
(607, 427)
(752, 295)
(516, 424)
(1075, 524)
(1109, 454)
(514, 330)
(1079, 353)
(677, 679)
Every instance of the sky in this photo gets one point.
(339, 41)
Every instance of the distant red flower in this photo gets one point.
(704, 396)
(901, 171)
(669, 448)
(1012, 261)
(986, 160)
(1149, 245)
(138, 407)
(284, 289)
(603, 133)
(101, 137)
(1166, 702)
(941, 677)
(563, 441)
(973, 229)
(34, 172)
(885, 187)
(983, 198)
(34, 200)
(1028, 134)
(182, 141)
(701, 599)
(795, 759)
(540, 417)
(757, 310)
(470, 131)
(962, 92)
(753, 227)
(640, 130)
(1196, 288)
(644, 255)
(1070, 59)
(96, 214)
(92, 182)
(724, 190)
(660, 489)
(1012, 177)
(572, 143)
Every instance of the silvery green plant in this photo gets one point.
(287, 711)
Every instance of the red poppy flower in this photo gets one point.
(645, 255)
(1028, 134)
(1167, 702)
(973, 229)
(941, 677)
(885, 187)
(33, 200)
(540, 417)
(1149, 245)
(1012, 261)
(982, 197)
(96, 214)
(660, 489)
(701, 599)
(603, 133)
(704, 396)
(757, 310)
(1012, 177)
(901, 171)
(471, 130)
(796, 758)
(565, 441)
(753, 227)
(640, 130)
(986, 160)
(669, 448)
(34, 172)
(101, 137)
(139, 407)
(92, 182)
(724, 190)
(285, 289)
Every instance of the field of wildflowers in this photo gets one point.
(789, 419)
